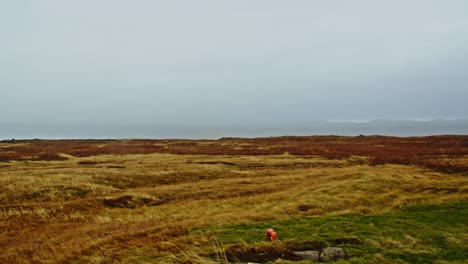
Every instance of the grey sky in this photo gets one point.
(242, 61)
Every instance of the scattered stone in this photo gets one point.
(308, 255)
(332, 254)
(326, 255)
(315, 251)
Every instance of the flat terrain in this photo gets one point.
(382, 199)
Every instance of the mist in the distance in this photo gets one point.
(204, 69)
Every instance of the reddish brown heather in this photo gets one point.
(444, 153)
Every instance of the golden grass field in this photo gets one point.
(60, 204)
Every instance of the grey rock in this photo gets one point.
(332, 253)
(308, 255)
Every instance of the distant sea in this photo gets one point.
(211, 131)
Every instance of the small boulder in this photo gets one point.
(332, 254)
(308, 255)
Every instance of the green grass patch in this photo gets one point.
(416, 234)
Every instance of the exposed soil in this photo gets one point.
(241, 253)
(238, 253)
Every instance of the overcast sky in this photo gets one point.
(242, 61)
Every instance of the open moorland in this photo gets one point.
(382, 199)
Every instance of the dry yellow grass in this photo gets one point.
(66, 211)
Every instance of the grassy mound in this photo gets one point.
(416, 234)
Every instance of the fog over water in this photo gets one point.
(210, 68)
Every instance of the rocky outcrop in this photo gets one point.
(326, 255)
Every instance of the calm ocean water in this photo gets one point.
(118, 131)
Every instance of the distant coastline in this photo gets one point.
(82, 130)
